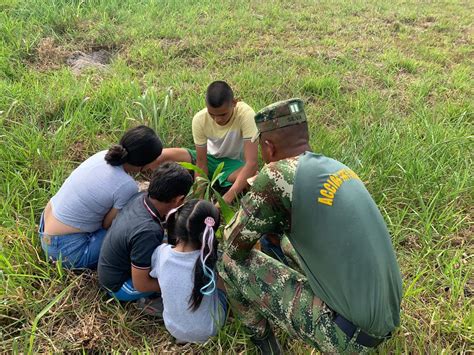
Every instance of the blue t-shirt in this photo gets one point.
(89, 193)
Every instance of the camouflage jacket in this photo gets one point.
(265, 209)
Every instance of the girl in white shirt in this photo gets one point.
(194, 308)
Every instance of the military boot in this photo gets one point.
(268, 343)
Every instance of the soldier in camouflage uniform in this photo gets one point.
(343, 291)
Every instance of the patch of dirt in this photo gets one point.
(79, 61)
(463, 237)
(49, 55)
(411, 242)
(170, 42)
(77, 152)
(469, 289)
(354, 81)
(196, 62)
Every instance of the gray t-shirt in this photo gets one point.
(89, 193)
(175, 273)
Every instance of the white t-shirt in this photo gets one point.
(175, 273)
(225, 141)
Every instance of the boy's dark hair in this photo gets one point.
(169, 180)
(187, 224)
(139, 146)
(218, 94)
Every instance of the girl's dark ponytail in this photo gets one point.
(116, 155)
(205, 276)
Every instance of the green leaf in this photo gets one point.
(226, 211)
(217, 173)
(45, 310)
(195, 168)
(217, 179)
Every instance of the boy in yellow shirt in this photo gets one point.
(222, 132)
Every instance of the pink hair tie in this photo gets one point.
(209, 221)
(208, 239)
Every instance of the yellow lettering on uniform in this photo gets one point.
(327, 194)
(354, 175)
(335, 180)
(326, 201)
(330, 188)
(332, 184)
(343, 175)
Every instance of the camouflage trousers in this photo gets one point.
(262, 288)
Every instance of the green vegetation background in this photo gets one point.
(389, 92)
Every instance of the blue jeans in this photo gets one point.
(128, 293)
(272, 250)
(76, 251)
(222, 300)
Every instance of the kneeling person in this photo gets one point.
(222, 133)
(125, 258)
(347, 296)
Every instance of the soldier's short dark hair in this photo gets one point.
(218, 94)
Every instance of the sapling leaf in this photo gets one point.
(195, 168)
(216, 179)
(217, 173)
(226, 211)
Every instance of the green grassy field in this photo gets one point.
(389, 92)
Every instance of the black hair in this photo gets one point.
(187, 225)
(139, 146)
(219, 93)
(169, 180)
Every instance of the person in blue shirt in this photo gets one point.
(74, 222)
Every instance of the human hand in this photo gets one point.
(150, 167)
(229, 197)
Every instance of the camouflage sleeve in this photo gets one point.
(265, 209)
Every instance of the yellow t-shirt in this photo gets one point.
(225, 141)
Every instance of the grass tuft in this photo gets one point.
(326, 87)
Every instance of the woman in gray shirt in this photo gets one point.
(75, 220)
(194, 308)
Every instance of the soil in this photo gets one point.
(79, 61)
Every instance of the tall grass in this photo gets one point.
(388, 87)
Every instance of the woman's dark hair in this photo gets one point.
(187, 225)
(139, 146)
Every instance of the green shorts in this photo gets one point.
(230, 165)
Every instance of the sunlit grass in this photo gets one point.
(388, 91)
